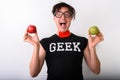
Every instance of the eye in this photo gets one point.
(58, 14)
(67, 14)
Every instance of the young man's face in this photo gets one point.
(63, 19)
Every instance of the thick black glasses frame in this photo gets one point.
(66, 14)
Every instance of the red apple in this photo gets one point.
(31, 29)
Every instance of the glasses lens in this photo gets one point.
(58, 14)
(67, 14)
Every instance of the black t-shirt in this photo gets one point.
(64, 56)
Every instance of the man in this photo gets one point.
(63, 51)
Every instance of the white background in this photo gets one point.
(16, 15)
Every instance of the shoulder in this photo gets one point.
(48, 38)
(78, 37)
(81, 39)
(45, 41)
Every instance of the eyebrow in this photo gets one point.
(63, 12)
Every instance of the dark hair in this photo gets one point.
(57, 6)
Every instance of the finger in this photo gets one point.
(89, 36)
(100, 35)
(25, 34)
(36, 34)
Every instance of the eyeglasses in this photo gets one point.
(66, 14)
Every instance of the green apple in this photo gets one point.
(93, 30)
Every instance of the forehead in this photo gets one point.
(63, 9)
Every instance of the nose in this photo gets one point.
(63, 16)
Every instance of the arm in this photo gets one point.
(37, 60)
(90, 54)
(38, 55)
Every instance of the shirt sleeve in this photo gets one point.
(85, 42)
(43, 43)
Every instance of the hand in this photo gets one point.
(34, 40)
(93, 41)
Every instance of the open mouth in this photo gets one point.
(62, 23)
